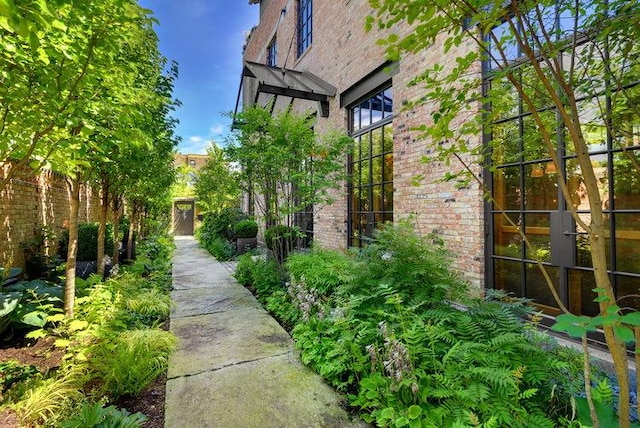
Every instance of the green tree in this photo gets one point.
(544, 57)
(111, 108)
(284, 165)
(216, 185)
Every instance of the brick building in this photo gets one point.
(317, 55)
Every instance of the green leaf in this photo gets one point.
(76, 325)
(56, 318)
(8, 302)
(402, 422)
(414, 412)
(34, 318)
(62, 343)
(36, 334)
(632, 318)
(624, 333)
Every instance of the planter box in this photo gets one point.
(245, 244)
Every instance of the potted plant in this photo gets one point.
(246, 232)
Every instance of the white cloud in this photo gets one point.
(195, 145)
(216, 129)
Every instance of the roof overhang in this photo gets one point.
(258, 79)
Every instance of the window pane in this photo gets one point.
(508, 277)
(504, 99)
(388, 198)
(535, 147)
(628, 242)
(626, 179)
(537, 232)
(376, 142)
(506, 143)
(630, 287)
(581, 295)
(506, 239)
(387, 131)
(376, 108)
(365, 114)
(388, 168)
(355, 116)
(625, 118)
(537, 286)
(355, 174)
(541, 188)
(579, 197)
(377, 169)
(377, 198)
(388, 102)
(506, 188)
(502, 46)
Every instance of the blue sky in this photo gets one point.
(205, 37)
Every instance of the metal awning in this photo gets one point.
(260, 79)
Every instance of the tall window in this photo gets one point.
(305, 25)
(272, 53)
(370, 166)
(525, 183)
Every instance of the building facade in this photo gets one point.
(316, 55)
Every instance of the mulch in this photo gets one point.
(45, 356)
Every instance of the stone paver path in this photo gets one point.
(235, 366)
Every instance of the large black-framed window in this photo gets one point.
(370, 166)
(526, 192)
(304, 25)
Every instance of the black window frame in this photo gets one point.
(272, 53)
(304, 26)
(363, 219)
(525, 165)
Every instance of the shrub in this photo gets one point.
(11, 373)
(47, 400)
(87, 242)
(221, 249)
(281, 240)
(96, 415)
(127, 363)
(385, 332)
(321, 270)
(246, 229)
(244, 270)
(220, 225)
(266, 278)
(276, 234)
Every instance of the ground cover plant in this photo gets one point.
(395, 329)
(217, 233)
(110, 351)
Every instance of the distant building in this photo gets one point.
(194, 161)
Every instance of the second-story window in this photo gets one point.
(272, 53)
(305, 24)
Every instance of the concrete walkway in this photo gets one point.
(235, 366)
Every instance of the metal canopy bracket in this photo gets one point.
(289, 83)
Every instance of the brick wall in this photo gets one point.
(342, 54)
(31, 201)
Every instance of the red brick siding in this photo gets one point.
(31, 201)
(342, 54)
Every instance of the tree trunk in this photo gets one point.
(72, 252)
(117, 202)
(132, 229)
(102, 227)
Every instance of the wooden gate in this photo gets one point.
(183, 214)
